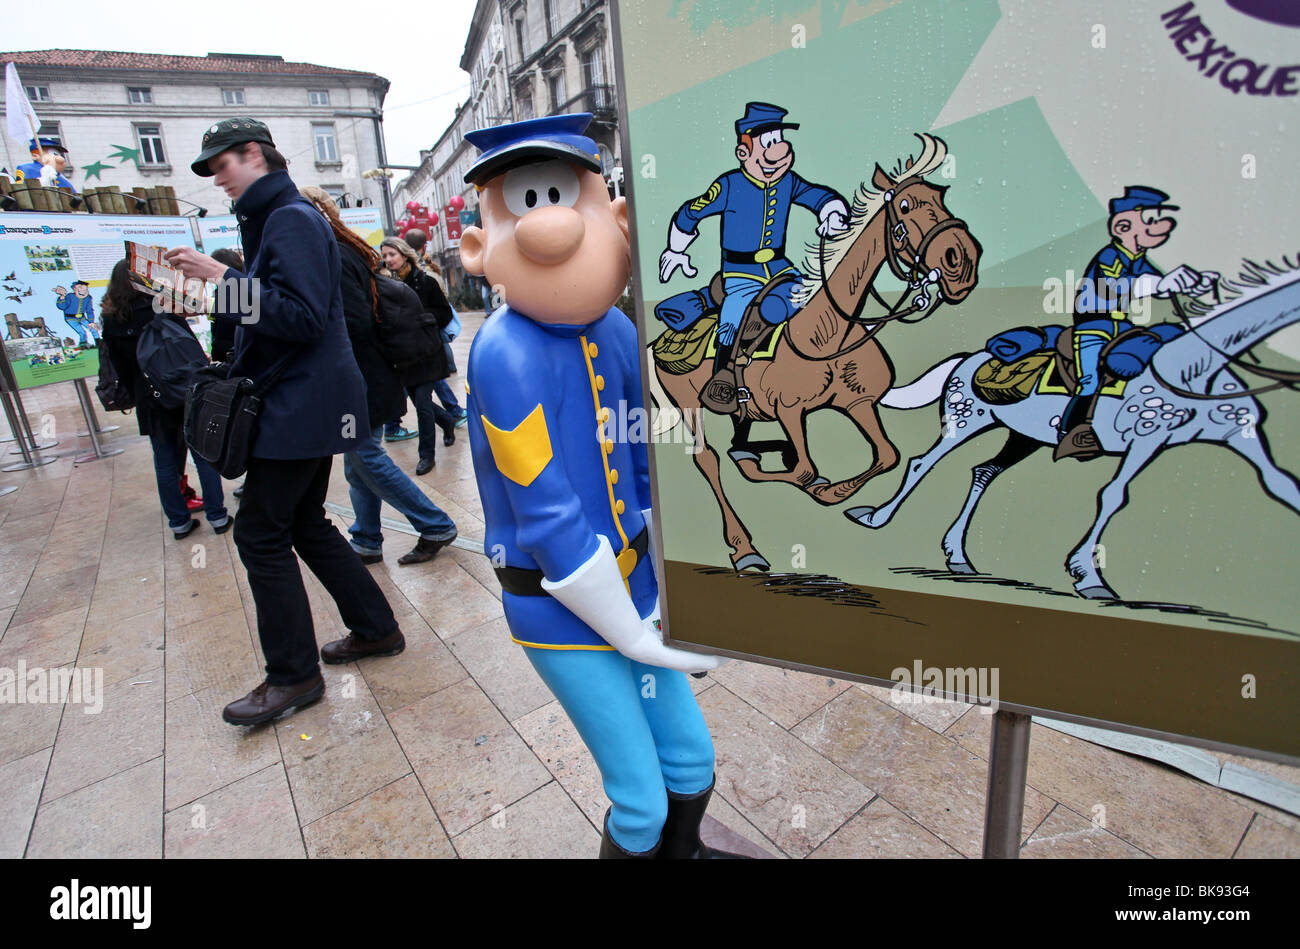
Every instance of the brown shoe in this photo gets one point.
(271, 701)
(424, 550)
(1079, 442)
(352, 647)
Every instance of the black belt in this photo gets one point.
(737, 257)
(523, 582)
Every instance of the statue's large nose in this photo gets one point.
(550, 235)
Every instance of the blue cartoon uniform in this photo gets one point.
(79, 313)
(32, 170)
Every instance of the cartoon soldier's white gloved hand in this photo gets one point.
(834, 218)
(675, 256)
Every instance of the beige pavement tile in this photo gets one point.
(20, 793)
(350, 750)
(5, 613)
(38, 514)
(425, 666)
(395, 821)
(480, 568)
(792, 794)
(213, 653)
(12, 584)
(1067, 835)
(544, 825)
(116, 817)
(204, 752)
(783, 695)
(200, 597)
(927, 776)
(128, 594)
(553, 739)
(1267, 839)
(1157, 809)
(250, 819)
(90, 747)
(54, 593)
(27, 728)
(50, 641)
(936, 716)
(127, 649)
(722, 815)
(883, 832)
(451, 603)
(467, 756)
(79, 553)
(500, 667)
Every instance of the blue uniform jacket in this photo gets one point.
(1107, 283)
(71, 303)
(317, 407)
(32, 170)
(754, 216)
(558, 433)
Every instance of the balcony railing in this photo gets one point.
(600, 101)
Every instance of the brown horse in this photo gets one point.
(826, 356)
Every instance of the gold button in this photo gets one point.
(609, 446)
(618, 508)
(592, 350)
(763, 256)
(604, 414)
(600, 383)
(613, 476)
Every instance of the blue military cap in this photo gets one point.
(1140, 196)
(762, 117)
(46, 143)
(555, 136)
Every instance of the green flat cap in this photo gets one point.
(227, 134)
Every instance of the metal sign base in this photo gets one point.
(16, 424)
(92, 426)
(1004, 807)
(7, 489)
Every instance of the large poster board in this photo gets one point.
(890, 507)
(55, 268)
(223, 230)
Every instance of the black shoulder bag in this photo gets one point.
(221, 415)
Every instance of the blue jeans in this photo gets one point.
(642, 726)
(430, 417)
(169, 453)
(372, 479)
(447, 397)
(80, 325)
(778, 306)
(1090, 338)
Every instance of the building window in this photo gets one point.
(232, 96)
(334, 191)
(151, 144)
(139, 95)
(552, 18)
(555, 86)
(326, 146)
(50, 130)
(519, 34)
(593, 77)
(524, 96)
(318, 97)
(38, 93)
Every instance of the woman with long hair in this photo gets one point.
(402, 263)
(126, 312)
(371, 475)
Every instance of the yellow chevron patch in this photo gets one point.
(704, 200)
(523, 452)
(1113, 270)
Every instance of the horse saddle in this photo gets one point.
(725, 392)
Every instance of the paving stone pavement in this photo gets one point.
(455, 748)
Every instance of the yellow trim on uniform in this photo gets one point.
(550, 646)
(522, 453)
(764, 186)
(704, 200)
(1112, 271)
(589, 351)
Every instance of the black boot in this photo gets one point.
(681, 836)
(1073, 413)
(609, 850)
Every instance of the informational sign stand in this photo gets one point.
(28, 446)
(92, 426)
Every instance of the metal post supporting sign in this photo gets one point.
(92, 427)
(18, 422)
(1004, 808)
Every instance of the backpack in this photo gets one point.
(113, 395)
(169, 354)
(406, 334)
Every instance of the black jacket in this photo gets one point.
(385, 397)
(317, 407)
(122, 337)
(431, 297)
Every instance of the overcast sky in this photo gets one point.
(417, 47)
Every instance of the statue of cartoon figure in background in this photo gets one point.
(567, 506)
(49, 161)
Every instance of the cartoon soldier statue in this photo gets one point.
(49, 161)
(754, 201)
(567, 505)
(1118, 274)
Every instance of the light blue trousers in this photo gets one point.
(642, 726)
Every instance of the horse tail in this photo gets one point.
(664, 414)
(924, 390)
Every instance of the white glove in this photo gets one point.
(675, 256)
(834, 218)
(1182, 279)
(595, 594)
(49, 176)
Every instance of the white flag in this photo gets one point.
(20, 117)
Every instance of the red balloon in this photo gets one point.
(457, 203)
(403, 224)
(412, 205)
(433, 218)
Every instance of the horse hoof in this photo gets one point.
(738, 455)
(962, 567)
(861, 515)
(752, 562)
(817, 482)
(1101, 592)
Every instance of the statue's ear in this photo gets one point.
(619, 207)
(881, 180)
(472, 241)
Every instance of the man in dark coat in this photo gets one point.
(289, 313)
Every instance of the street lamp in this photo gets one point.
(377, 118)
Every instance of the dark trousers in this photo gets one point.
(431, 416)
(282, 511)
